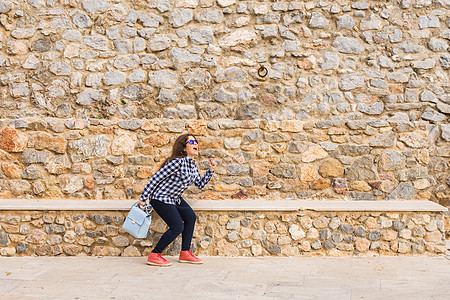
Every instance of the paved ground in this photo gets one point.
(226, 278)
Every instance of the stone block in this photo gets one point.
(12, 141)
(348, 45)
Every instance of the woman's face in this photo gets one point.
(191, 147)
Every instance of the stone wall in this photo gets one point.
(102, 159)
(355, 102)
(227, 234)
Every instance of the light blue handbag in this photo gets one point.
(137, 222)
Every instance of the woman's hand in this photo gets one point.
(142, 203)
(212, 164)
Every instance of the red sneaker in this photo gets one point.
(155, 259)
(188, 257)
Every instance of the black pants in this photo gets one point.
(180, 219)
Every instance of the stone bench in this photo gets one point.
(228, 228)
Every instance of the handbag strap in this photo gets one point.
(147, 207)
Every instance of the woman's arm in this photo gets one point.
(201, 182)
(168, 169)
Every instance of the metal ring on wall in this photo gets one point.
(262, 71)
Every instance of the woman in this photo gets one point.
(164, 190)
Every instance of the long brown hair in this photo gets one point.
(179, 147)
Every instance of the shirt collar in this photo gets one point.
(190, 160)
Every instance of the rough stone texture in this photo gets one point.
(348, 45)
(266, 148)
(12, 141)
(365, 79)
(302, 233)
(87, 148)
(351, 82)
(402, 191)
(361, 169)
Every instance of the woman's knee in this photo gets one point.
(177, 228)
(191, 217)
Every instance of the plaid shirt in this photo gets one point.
(173, 179)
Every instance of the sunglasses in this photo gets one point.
(192, 142)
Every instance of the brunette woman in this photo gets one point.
(164, 191)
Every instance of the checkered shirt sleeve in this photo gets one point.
(201, 182)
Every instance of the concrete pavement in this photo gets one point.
(226, 278)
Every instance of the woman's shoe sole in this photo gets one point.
(158, 265)
(190, 262)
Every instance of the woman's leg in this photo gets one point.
(189, 217)
(169, 213)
